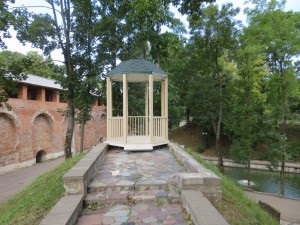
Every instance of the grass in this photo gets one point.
(32, 204)
(235, 206)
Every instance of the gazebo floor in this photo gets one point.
(138, 143)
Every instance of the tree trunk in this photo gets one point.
(218, 126)
(81, 137)
(218, 149)
(187, 115)
(69, 134)
(283, 128)
(217, 129)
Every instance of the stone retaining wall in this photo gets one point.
(199, 178)
(77, 179)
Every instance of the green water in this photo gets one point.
(267, 181)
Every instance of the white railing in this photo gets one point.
(115, 129)
(160, 127)
(137, 126)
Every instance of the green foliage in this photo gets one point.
(12, 66)
(6, 18)
(32, 204)
(246, 104)
(276, 34)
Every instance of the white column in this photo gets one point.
(125, 108)
(166, 108)
(162, 127)
(146, 109)
(108, 107)
(151, 108)
(162, 96)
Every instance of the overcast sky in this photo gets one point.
(14, 44)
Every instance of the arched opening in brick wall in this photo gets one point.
(40, 156)
(42, 133)
(8, 140)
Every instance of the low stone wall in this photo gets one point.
(77, 179)
(199, 178)
(257, 165)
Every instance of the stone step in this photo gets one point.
(129, 197)
(124, 185)
(138, 147)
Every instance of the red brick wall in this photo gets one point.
(34, 125)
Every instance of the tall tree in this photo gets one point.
(214, 35)
(44, 31)
(277, 34)
(87, 68)
(246, 105)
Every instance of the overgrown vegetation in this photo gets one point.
(190, 135)
(30, 205)
(235, 206)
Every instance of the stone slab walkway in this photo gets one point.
(138, 167)
(141, 213)
(146, 178)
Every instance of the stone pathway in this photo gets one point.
(137, 188)
(139, 214)
(138, 167)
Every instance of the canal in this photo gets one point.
(267, 181)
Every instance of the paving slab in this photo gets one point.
(120, 168)
(137, 214)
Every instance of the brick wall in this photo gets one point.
(34, 125)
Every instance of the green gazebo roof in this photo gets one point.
(137, 70)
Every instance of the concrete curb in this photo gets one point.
(65, 212)
(201, 211)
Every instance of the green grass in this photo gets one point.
(33, 203)
(235, 206)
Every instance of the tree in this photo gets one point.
(87, 68)
(12, 66)
(277, 34)
(45, 32)
(214, 36)
(245, 123)
(6, 18)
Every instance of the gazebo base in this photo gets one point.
(138, 143)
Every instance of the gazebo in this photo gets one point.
(137, 133)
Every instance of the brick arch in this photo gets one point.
(49, 116)
(9, 138)
(42, 133)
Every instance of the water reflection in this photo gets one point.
(266, 181)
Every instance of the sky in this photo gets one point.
(14, 45)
